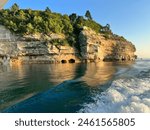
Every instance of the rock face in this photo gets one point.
(43, 52)
(7, 45)
(95, 47)
(34, 49)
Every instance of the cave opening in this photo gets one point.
(63, 61)
(72, 61)
(123, 59)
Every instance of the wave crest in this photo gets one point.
(124, 95)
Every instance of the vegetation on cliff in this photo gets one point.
(27, 22)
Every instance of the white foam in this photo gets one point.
(124, 95)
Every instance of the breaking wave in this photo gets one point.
(124, 95)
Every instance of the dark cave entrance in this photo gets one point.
(63, 61)
(72, 61)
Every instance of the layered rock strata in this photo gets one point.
(95, 47)
(35, 49)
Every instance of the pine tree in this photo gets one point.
(15, 8)
(88, 15)
(73, 17)
(48, 10)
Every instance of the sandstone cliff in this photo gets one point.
(95, 47)
(35, 49)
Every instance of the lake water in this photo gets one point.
(92, 87)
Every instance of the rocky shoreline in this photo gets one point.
(93, 47)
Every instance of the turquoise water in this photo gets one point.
(74, 87)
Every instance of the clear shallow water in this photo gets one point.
(93, 87)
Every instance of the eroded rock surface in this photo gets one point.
(33, 49)
(95, 47)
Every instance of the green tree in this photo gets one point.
(108, 26)
(73, 17)
(29, 28)
(88, 15)
(37, 20)
(12, 26)
(22, 15)
(79, 22)
(27, 21)
(48, 10)
(15, 8)
(67, 24)
(106, 29)
(46, 28)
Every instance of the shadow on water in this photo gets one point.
(77, 84)
(65, 97)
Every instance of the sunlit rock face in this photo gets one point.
(95, 47)
(34, 50)
(2, 3)
(6, 35)
(8, 46)
(44, 52)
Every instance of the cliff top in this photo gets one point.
(48, 25)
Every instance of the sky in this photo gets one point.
(128, 18)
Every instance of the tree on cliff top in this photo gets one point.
(15, 8)
(88, 15)
(73, 17)
(48, 10)
(27, 21)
